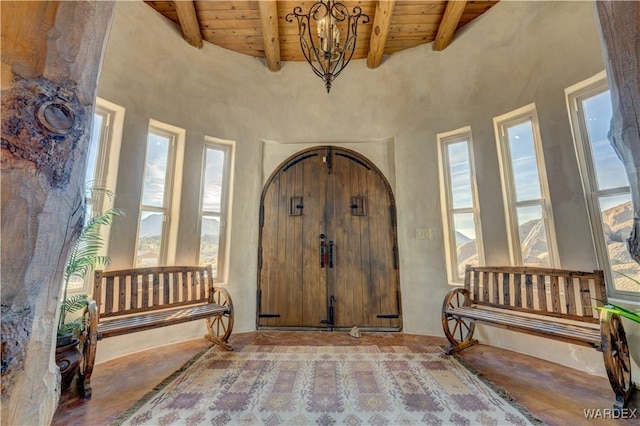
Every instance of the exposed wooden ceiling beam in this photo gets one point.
(380, 32)
(186, 11)
(270, 35)
(449, 23)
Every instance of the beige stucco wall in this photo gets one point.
(516, 54)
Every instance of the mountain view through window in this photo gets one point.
(611, 192)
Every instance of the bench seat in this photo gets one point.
(585, 335)
(156, 319)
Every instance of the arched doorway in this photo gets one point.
(328, 254)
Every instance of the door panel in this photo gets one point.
(345, 198)
(313, 277)
(291, 283)
(364, 279)
(350, 275)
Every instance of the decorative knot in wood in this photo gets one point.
(43, 122)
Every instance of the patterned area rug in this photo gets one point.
(325, 385)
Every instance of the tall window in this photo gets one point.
(102, 167)
(605, 182)
(214, 201)
(96, 158)
(459, 202)
(525, 190)
(160, 196)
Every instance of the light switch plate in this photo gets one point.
(423, 234)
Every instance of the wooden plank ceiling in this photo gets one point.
(259, 28)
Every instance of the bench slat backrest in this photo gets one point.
(130, 291)
(553, 292)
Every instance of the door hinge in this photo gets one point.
(355, 160)
(391, 316)
(298, 160)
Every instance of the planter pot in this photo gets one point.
(68, 358)
(65, 340)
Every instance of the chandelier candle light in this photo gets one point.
(322, 48)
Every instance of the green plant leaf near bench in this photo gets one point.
(72, 304)
(619, 310)
(85, 256)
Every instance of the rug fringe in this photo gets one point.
(499, 391)
(131, 410)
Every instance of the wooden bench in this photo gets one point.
(552, 303)
(132, 300)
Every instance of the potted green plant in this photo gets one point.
(85, 256)
(70, 330)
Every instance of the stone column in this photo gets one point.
(51, 58)
(620, 36)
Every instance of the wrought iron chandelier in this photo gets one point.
(321, 43)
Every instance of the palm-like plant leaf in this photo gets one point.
(85, 254)
(69, 327)
(619, 310)
(75, 302)
(628, 276)
(84, 257)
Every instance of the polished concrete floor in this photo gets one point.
(555, 394)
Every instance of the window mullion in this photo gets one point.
(527, 203)
(463, 210)
(612, 191)
(153, 208)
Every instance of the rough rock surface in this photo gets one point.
(51, 56)
(621, 45)
(42, 122)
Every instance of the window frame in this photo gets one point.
(446, 201)
(575, 94)
(103, 152)
(227, 147)
(105, 172)
(501, 123)
(172, 192)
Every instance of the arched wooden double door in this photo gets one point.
(328, 255)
